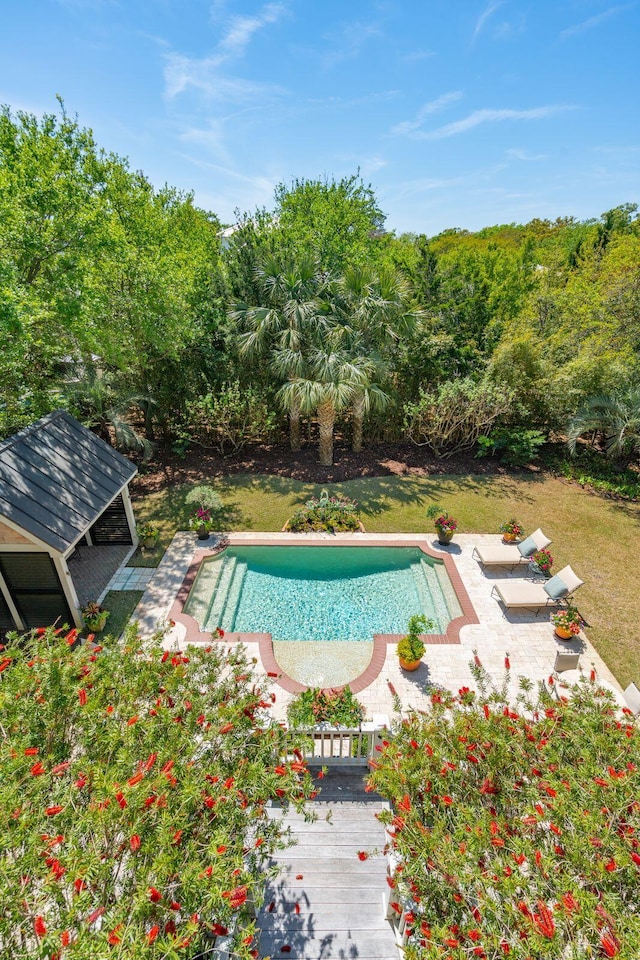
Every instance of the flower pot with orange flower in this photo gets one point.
(567, 622)
(511, 531)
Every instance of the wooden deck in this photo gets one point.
(327, 903)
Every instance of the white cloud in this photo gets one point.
(484, 16)
(594, 21)
(517, 153)
(205, 74)
(479, 117)
(414, 56)
(242, 29)
(408, 127)
(348, 43)
(183, 72)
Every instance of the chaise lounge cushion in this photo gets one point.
(564, 582)
(537, 541)
(556, 588)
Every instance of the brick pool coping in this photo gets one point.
(264, 640)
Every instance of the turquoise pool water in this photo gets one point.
(321, 593)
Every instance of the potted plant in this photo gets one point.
(541, 562)
(208, 503)
(411, 648)
(201, 522)
(95, 617)
(445, 524)
(148, 535)
(511, 530)
(568, 622)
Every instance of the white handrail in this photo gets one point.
(341, 746)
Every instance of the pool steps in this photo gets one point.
(214, 601)
(219, 600)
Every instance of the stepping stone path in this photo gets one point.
(327, 903)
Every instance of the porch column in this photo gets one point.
(131, 520)
(68, 588)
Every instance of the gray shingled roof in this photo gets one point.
(57, 477)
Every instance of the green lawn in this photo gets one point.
(120, 604)
(597, 536)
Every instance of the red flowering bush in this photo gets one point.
(515, 829)
(133, 788)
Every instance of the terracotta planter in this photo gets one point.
(564, 634)
(509, 538)
(409, 665)
(444, 538)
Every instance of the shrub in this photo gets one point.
(230, 419)
(515, 824)
(337, 707)
(326, 513)
(135, 785)
(514, 445)
(452, 419)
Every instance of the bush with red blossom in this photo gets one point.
(134, 785)
(515, 826)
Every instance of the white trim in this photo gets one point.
(13, 610)
(128, 509)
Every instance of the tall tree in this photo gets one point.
(332, 221)
(292, 310)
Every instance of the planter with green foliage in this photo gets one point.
(338, 707)
(445, 524)
(335, 514)
(148, 536)
(94, 616)
(411, 648)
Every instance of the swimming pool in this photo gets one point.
(321, 593)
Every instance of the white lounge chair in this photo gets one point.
(510, 554)
(523, 593)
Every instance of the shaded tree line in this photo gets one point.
(132, 307)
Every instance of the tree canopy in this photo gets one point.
(134, 784)
(514, 827)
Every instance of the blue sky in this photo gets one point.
(459, 113)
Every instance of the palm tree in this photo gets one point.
(293, 308)
(615, 418)
(329, 387)
(373, 308)
(106, 409)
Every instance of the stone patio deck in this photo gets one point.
(529, 639)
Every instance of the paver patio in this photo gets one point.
(528, 638)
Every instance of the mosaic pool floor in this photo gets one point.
(330, 663)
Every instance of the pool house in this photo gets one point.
(66, 521)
